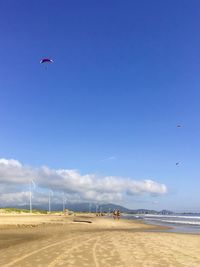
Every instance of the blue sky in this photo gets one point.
(124, 75)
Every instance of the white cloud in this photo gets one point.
(109, 158)
(88, 187)
(14, 198)
(146, 186)
(10, 162)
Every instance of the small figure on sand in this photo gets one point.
(114, 214)
(118, 214)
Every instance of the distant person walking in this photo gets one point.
(114, 214)
(118, 214)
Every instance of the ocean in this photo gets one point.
(186, 223)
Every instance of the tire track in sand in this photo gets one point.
(94, 254)
(37, 251)
(60, 257)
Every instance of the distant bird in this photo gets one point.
(178, 125)
(177, 163)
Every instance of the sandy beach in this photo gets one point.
(73, 241)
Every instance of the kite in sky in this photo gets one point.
(46, 60)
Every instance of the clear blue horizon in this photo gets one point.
(124, 75)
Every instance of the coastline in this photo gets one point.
(183, 225)
(55, 240)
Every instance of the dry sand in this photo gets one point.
(46, 240)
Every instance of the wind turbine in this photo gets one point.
(31, 183)
(64, 201)
(97, 206)
(90, 207)
(50, 194)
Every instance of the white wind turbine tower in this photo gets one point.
(90, 207)
(31, 184)
(50, 194)
(64, 201)
(97, 206)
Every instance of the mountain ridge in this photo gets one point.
(91, 207)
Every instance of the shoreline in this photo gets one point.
(173, 226)
(26, 220)
(21, 221)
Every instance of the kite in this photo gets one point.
(46, 60)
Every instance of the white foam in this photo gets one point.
(173, 216)
(183, 222)
(177, 221)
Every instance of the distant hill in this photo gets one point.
(78, 207)
(86, 207)
(146, 211)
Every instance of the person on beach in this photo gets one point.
(118, 214)
(114, 214)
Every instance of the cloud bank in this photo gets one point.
(15, 178)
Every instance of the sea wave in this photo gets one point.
(183, 222)
(172, 216)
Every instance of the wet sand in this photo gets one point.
(60, 241)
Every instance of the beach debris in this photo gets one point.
(84, 221)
